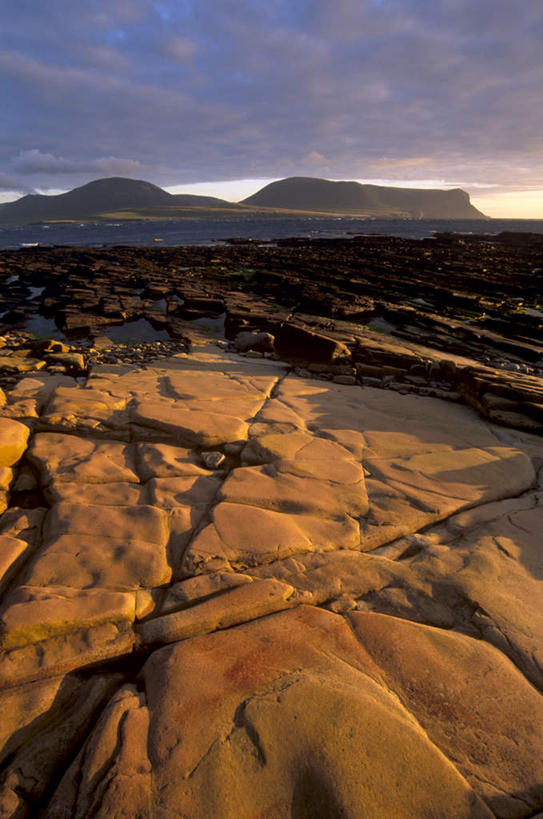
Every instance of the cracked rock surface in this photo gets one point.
(231, 591)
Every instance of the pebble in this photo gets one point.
(212, 460)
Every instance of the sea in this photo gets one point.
(265, 229)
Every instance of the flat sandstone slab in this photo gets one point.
(343, 617)
(232, 736)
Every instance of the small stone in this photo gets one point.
(212, 460)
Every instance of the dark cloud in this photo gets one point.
(182, 91)
(13, 184)
(36, 162)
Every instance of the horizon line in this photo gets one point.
(235, 191)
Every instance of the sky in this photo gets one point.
(222, 96)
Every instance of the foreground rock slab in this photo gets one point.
(302, 713)
(232, 591)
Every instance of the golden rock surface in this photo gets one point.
(342, 619)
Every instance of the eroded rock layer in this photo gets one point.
(231, 591)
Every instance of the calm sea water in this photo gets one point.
(206, 231)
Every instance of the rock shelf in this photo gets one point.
(269, 584)
(454, 317)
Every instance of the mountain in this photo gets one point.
(120, 198)
(322, 195)
(103, 196)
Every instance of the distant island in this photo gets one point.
(119, 199)
(310, 194)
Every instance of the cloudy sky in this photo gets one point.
(219, 95)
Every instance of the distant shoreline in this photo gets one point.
(244, 212)
(258, 228)
(121, 198)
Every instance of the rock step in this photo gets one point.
(238, 605)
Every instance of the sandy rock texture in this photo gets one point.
(230, 591)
